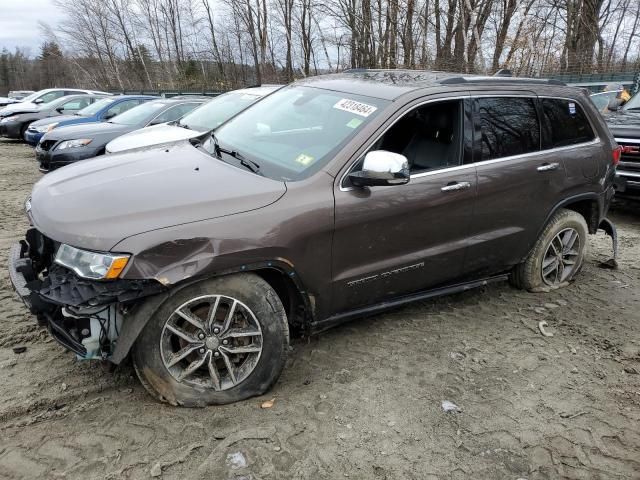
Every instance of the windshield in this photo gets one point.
(140, 114)
(217, 111)
(601, 100)
(293, 132)
(94, 108)
(633, 103)
(33, 96)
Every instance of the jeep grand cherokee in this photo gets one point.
(335, 197)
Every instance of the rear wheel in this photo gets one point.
(214, 342)
(557, 256)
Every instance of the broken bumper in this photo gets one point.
(82, 315)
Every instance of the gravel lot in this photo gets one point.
(361, 401)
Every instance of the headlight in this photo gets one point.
(46, 128)
(93, 265)
(9, 119)
(81, 142)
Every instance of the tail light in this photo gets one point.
(617, 152)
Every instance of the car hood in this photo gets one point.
(150, 136)
(88, 130)
(97, 203)
(624, 123)
(19, 107)
(59, 118)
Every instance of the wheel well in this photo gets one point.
(290, 296)
(589, 210)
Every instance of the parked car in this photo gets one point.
(602, 100)
(20, 94)
(15, 126)
(14, 97)
(624, 124)
(63, 146)
(35, 100)
(100, 111)
(335, 197)
(203, 119)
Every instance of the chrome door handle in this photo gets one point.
(456, 186)
(545, 167)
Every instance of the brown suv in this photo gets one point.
(334, 197)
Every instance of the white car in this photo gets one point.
(34, 101)
(201, 120)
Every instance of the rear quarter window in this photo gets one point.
(564, 123)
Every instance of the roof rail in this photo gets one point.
(501, 79)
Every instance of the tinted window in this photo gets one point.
(564, 123)
(507, 126)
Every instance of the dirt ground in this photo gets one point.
(362, 401)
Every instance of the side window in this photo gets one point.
(565, 123)
(174, 113)
(506, 126)
(120, 108)
(429, 136)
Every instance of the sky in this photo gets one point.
(19, 23)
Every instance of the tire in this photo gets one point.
(259, 323)
(530, 274)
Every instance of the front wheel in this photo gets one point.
(557, 255)
(214, 342)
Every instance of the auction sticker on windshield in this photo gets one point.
(352, 106)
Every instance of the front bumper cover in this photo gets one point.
(47, 288)
(52, 158)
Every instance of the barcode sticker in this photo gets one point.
(352, 106)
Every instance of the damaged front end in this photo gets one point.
(84, 315)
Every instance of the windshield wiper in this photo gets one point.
(245, 162)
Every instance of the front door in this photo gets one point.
(395, 240)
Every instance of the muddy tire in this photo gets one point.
(557, 255)
(214, 342)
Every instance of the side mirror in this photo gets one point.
(59, 109)
(382, 168)
(38, 100)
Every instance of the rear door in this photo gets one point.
(518, 182)
(395, 240)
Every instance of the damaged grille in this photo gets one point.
(46, 145)
(63, 287)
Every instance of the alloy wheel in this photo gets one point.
(561, 258)
(212, 341)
